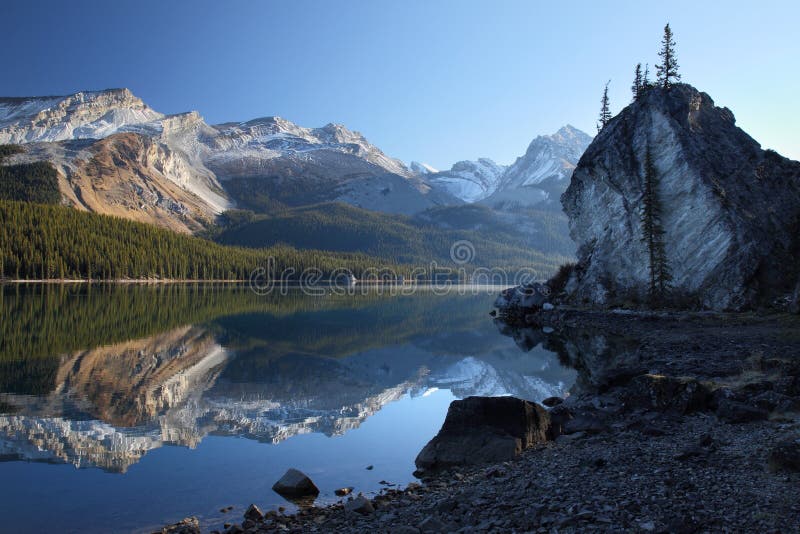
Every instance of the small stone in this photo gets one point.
(360, 505)
(547, 306)
(370, 467)
(341, 492)
(647, 526)
(253, 513)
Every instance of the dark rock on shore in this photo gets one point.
(295, 484)
(785, 456)
(360, 505)
(190, 525)
(485, 429)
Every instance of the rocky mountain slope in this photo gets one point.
(535, 179)
(470, 181)
(211, 168)
(542, 174)
(730, 210)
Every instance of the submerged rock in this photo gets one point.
(294, 484)
(730, 210)
(485, 429)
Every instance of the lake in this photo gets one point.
(126, 407)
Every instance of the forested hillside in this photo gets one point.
(40, 241)
(34, 182)
(397, 238)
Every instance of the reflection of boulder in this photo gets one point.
(602, 359)
(526, 338)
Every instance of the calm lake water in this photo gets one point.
(123, 408)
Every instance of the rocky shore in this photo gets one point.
(678, 423)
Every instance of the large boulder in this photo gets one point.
(531, 296)
(730, 211)
(295, 484)
(485, 429)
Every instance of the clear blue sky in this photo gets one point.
(435, 81)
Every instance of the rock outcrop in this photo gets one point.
(730, 210)
(485, 429)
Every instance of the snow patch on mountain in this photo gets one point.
(469, 181)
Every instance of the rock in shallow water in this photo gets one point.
(295, 483)
(485, 429)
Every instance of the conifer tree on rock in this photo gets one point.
(668, 69)
(637, 86)
(605, 109)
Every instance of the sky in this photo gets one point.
(436, 81)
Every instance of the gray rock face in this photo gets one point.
(731, 211)
(485, 429)
(295, 483)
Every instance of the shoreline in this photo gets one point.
(674, 423)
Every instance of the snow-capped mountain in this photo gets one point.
(535, 179)
(542, 174)
(84, 115)
(184, 171)
(469, 181)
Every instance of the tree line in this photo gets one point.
(39, 241)
(666, 76)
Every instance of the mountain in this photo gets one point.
(469, 181)
(181, 172)
(729, 210)
(539, 177)
(536, 179)
(497, 241)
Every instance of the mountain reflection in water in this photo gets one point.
(102, 376)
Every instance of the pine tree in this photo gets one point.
(653, 234)
(646, 77)
(668, 69)
(605, 111)
(637, 86)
